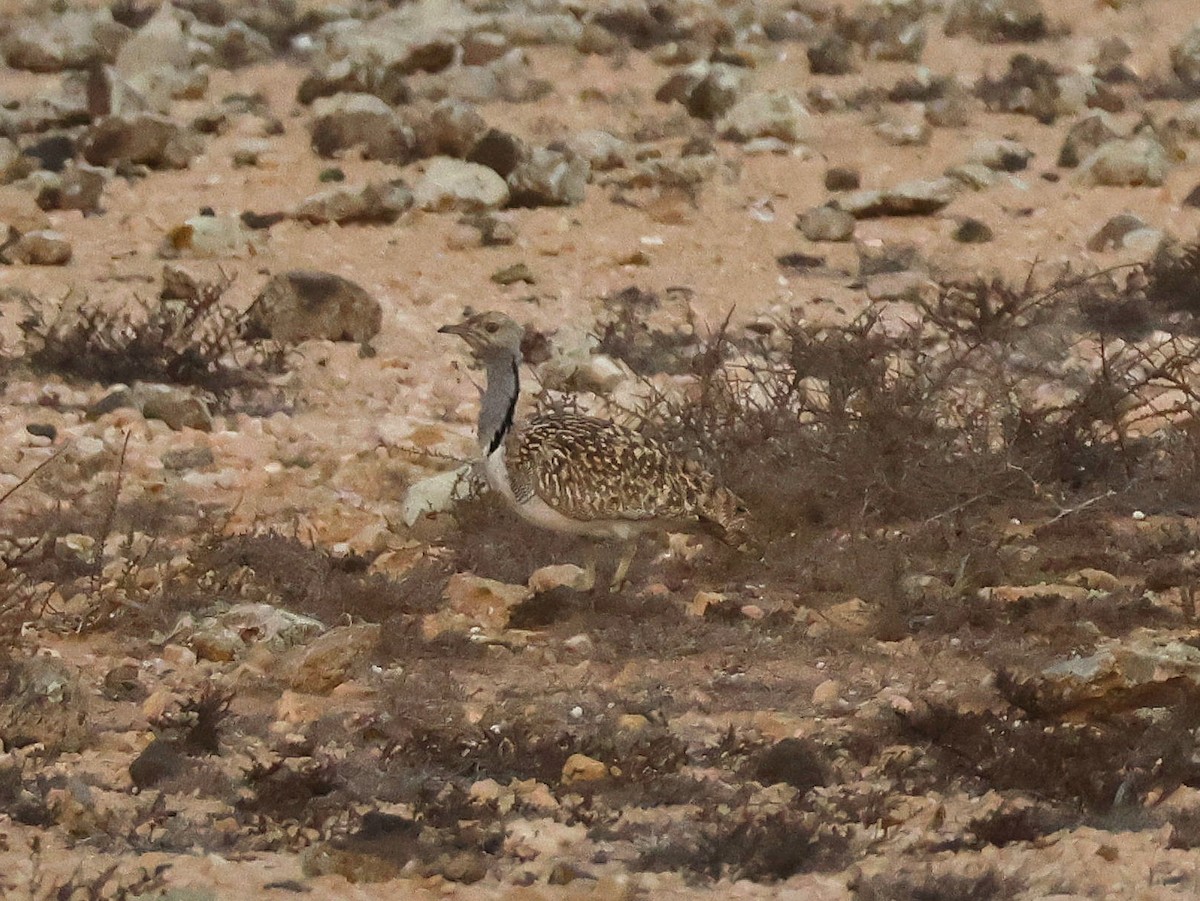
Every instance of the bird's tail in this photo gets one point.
(731, 520)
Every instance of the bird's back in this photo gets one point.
(593, 470)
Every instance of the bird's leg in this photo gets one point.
(589, 567)
(628, 550)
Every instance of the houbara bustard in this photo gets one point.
(581, 475)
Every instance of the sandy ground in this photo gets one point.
(330, 465)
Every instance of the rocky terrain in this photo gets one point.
(920, 279)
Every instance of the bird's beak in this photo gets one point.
(457, 328)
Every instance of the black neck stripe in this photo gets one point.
(506, 423)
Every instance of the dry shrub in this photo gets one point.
(193, 340)
(1110, 763)
(923, 883)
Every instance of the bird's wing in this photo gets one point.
(591, 469)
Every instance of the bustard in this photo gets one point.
(581, 475)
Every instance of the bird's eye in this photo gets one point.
(491, 327)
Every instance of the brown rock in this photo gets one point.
(302, 304)
(581, 768)
(325, 663)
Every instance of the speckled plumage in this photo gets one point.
(582, 475)
(591, 469)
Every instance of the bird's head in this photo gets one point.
(489, 334)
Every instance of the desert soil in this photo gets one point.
(239, 665)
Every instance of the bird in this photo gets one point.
(582, 475)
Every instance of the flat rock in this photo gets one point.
(146, 138)
(996, 21)
(562, 575)
(40, 248)
(549, 178)
(1134, 162)
(912, 198)
(1085, 136)
(375, 202)
(210, 237)
(826, 223)
(326, 662)
(484, 601)
(179, 408)
(63, 39)
(603, 151)
(768, 114)
(436, 494)
(1137, 670)
(302, 305)
(450, 184)
(19, 210)
(43, 702)
(364, 121)
(1000, 154)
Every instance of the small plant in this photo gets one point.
(191, 339)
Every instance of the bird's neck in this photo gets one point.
(499, 402)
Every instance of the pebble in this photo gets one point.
(581, 768)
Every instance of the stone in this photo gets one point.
(912, 198)
(374, 202)
(842, 178)
(436, 494)
(186, 458)
(227, 634)
(302, 305)
(973, 231)
(1136, 670)
(499, 151)
(210, 237)
(19, 210)
(997, 21)
(179, 408)
(40, 248)
(450, 184)
(768, 114)
(43, 702)
(1111, 235)
(479, 48)
(706, 90)
(452, 129)
(326, 662)
(1133, 162)
(956, 109)
(510, 275)
(1000, 154)
(1185, 58)
(831, 55)
(827, 694)
(1084, 137)
(581, 768)
(361, 120)
(80, 187)
(549, 178)
(602, 150)
(1096, 579)
(826, 223)
(13, 163)
(62, 39)
(562, 575)
(905, 128)
(146, 138)
(483, 602)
